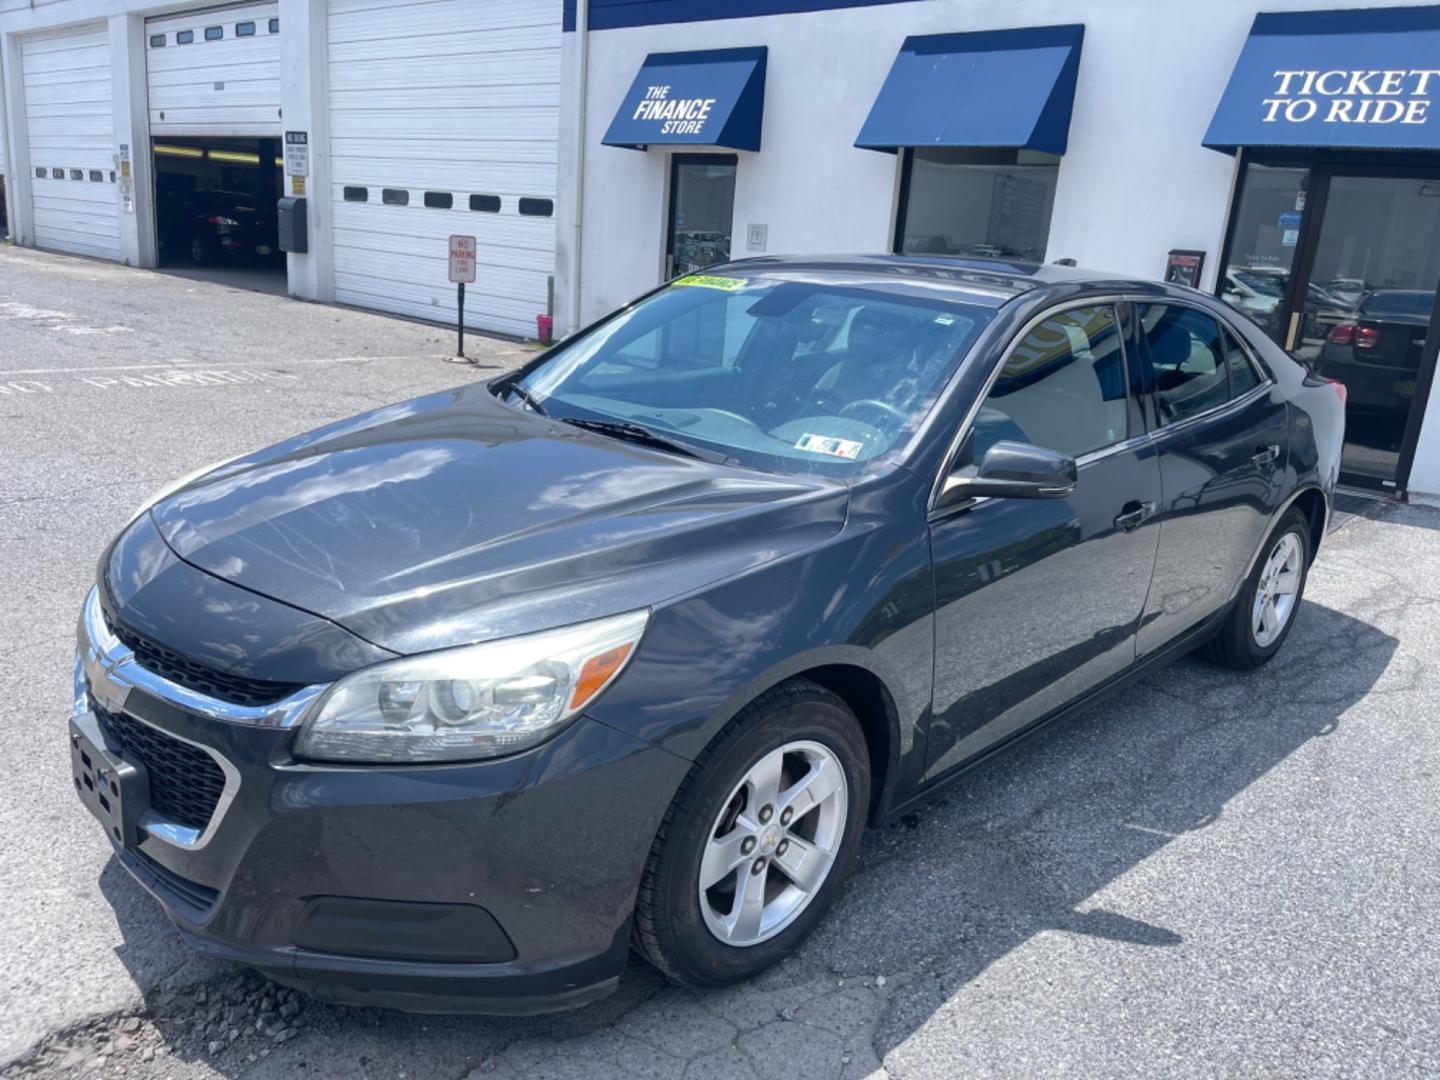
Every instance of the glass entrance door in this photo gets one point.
(1362, 306)
(1338, 261)
(702, 209)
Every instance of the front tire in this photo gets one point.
(758, 841)
(1269, 601)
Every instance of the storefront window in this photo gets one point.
(977, 203)
(1263, 243)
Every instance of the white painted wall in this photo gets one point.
(1135, 183)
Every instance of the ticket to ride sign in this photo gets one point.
(462, 259)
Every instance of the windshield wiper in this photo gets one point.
(643, 436)
(525, 396)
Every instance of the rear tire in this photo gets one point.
(787, 852)
(1250, 636)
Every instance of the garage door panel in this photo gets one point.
(491, 99)
(472, 49)
(521, 125)
(251, 120)
(229, 86)
(69, 125)
(509, 180)
(262, 73)
(450, 96)
(528, 68)
(359, 149)
(504, 246)
(400, 21)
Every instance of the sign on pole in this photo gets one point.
(462, 259)
(462, 271)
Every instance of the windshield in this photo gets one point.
(1260, 283)
(770, 371)
(1398, 302)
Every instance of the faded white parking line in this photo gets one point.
(172, 364)
(193, 377)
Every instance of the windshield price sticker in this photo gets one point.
(824, 444)
(702, 281)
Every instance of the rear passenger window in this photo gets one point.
(1187, 358)
(1243, 376)
(1062, 387)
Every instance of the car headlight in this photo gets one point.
(473, 702)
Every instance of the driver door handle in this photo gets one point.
(1133, 514)
(1265, 455)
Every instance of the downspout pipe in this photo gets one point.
(577, 155)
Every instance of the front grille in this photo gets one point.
(185, 781)
(193, 675)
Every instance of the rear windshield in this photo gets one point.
(1398, 302)
(777, 372)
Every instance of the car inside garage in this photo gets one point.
(213, 87)
(215, 208)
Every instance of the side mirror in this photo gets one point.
(1013, 470)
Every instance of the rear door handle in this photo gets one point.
(1266, 455)
(1133, 514)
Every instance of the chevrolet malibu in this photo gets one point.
(451, 705)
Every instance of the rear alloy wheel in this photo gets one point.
(1265, 610)
(758, 841)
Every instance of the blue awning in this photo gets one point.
(709, 98)
(1354, 78)
(993, 88)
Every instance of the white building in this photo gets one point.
(650, 137)
(1078, 132)
(419, 120)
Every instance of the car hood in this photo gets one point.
(455, 518)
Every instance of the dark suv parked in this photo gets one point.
(450, 704)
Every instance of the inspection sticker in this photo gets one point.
(726, 284)
(824, 444)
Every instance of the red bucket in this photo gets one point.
(544, 328)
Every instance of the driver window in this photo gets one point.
(1063, 387)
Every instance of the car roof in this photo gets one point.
(991, 281)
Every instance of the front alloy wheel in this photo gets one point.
(773, 843)
(758, 840)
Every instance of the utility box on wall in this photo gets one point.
(292, 225)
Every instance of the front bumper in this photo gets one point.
(502, 886)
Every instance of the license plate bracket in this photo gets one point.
(116, 791)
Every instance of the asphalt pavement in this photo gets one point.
(1209, 875)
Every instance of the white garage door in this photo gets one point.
(445, 119)
(215, 72)
(71, 135)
